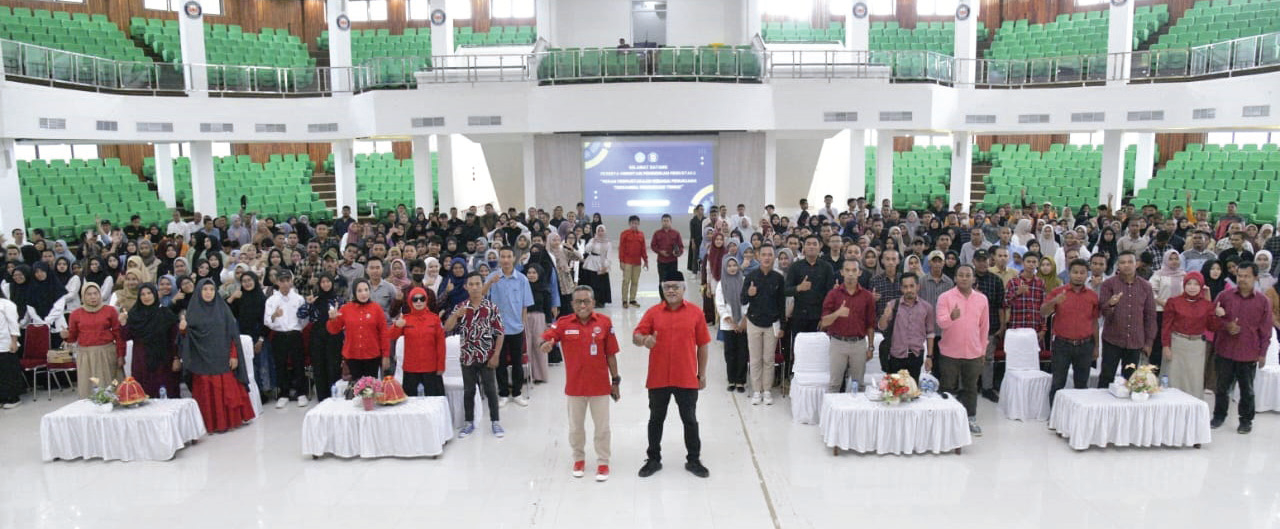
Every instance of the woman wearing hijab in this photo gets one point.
(167, 287)
(712, 271)
(12, 382)
(563, 258)
(451, 291)
(367, 340)
(95, 329)
(325, 347)
(733, 323)
(249, 305)
(182, 297)
(1166, 284)
(181, 267)
(1265, 279)
(134, 277)
(42, 299)
(595, 269)
(1049, 246)
(536, 318)
(480, 255)
(209, 348)
(400, 275)
(153, 330)
(95, 271)
(424, 346)
(1022, 232)
(61, 250)
(1187, 317)
(1048, 272)
(70, 283)
(1107, 246)
(911, 227)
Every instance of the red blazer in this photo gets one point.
(424, 349)
(367, 336)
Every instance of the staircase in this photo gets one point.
(168, 77)
(978, 183)
(327, 187)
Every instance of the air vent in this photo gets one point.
(1033, 118)
(53, 123)
(1088, 117)
(1146, 115)
(217, 127)
(322, 127)
(1204, 113)
(980, 118)
(269, 127)
(895, 116)
(154, 127)
(419, 123)
(108, 126)
(484, 121)
(839, 117)
(1257, 111)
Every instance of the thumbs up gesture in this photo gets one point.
(1115, 300)
(333, 312)
(955, 313)
(843, 311)
(546, 347)
(805, 285)
(1219, 311)
(182, 322)
(1061, 297)
(1023, 289)
(1234, 326)
(751, 290)
(651, 340)
(399, 322)
(279, 312)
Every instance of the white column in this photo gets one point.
(191, 35)
(966, 44)
(344, 175)
(204, 195)
(444, 159)
(340, 75)
(545, 20)
(164, 175)
(1119, 41)
(884, 167)
(857, 163)
(442, 36)
(11, 216)
(1145, 161)
(530, 172)
(1112, 168)
(770, 170)
(961, 170)
(750, 19)
(857, 32)
(423, 196)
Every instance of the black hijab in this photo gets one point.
(1215, 286)
(152, 327)
(211, 333)
(62, 277)
(250, 307)
(43, 294)
(20, 293)
(98, 277)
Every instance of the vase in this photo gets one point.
(1140, 396)
(368, 403)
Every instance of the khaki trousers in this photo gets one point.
(761, 344)
(599, 407)
(630, 281)
(851, 356)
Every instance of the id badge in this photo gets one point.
(593, 348)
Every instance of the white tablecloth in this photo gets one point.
(153, 431)
(1092, 417)
(927, 424)
(806, 403)
(1024, 395)
(1266, 389)
(417, 427)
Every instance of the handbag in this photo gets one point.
(887, 342)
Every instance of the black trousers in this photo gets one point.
(291, 363)
(1114, 356)
(1077, 358)
(1157, 348)
(694, 245)
(478, 375)
(667, 268)
(1230, 371)
(363, 368)
(912, 363)
(511, 362)
(432, 384)
(326, 360)
(735, 356)
(687, 402)
(12, 382)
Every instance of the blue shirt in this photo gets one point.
(512, 295)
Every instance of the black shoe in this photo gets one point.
(1245, 427)
(650, 467)
(1214, 424)
(742, 388)
(991, 395)
(696, 468)
(732, 387)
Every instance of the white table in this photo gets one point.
(927, 424)
(417, 427)
(1093, 417)
(154, 431)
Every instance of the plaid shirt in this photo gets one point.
(1024, 309)
(1157, 255)
(478, 328)
(991, 286)
(888, 290)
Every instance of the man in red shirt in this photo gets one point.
(668, 245)
(1074, 307)
(591, 376)
(676, 335)
(849, 318)
(632, 254)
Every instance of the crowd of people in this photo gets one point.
(1194, 296)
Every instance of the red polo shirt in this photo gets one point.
(1075, 317)
(631, 248)
(673, 361)
(586, 372)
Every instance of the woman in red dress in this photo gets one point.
(211, 337)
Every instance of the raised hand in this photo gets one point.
(1023, 289)
(650, 340)
(751, 291)
(1219, 311)
(182, 322)
(1234, 327)
(279, 312)
(1115, 300)
(955, 313)
(547, 346)
(333, 312)
(399, 322)
(805, 285)
(1061, 297)
(843, 311)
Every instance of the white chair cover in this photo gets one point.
(255, 396)
(1266, 383)
(812, 375)
(1024, 394)
(453, 388)
(128, 358)
(397, 354)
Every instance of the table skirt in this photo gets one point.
(419, 426)
(154, 431)
(1093, 417)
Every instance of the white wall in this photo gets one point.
(581, 23)
(689, 22)
(702, 22)
(473, 185)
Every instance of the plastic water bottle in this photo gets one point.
(163, 393)
(853, 387)
(1164, 381)
(422, 390)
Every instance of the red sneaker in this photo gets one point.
(579, 469)
(602, 473)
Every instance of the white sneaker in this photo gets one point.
(502, 401)
(523, 401)
(302, 401)
(755, 399)
(768, 398)
(281, 402)
(12, 405)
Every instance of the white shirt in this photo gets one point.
(830, 213)
(9, 328)
(288, 305)
(178, 227)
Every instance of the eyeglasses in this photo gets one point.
(581, 302)
(419, 299)
(672, 286)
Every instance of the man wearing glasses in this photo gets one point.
(591, 376)
(676, 335)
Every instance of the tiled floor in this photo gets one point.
(765, 472)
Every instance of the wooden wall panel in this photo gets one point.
(1038, 142)
(261, 152)
(402, 149)
(1168, 144)
(130, 155)
(903, 143)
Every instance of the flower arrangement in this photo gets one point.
(898, 387)
(1143, 380)
(103, 395)
(366, 388)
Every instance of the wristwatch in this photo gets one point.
(617, 380)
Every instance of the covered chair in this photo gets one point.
(1024, 395)
(812, 375)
